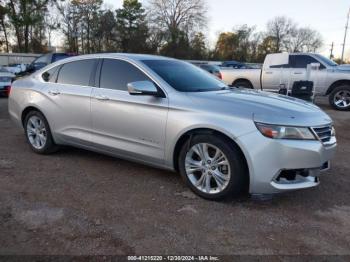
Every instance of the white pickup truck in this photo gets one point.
(284, 69)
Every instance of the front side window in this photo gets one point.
(116, 74)
(77, 72)
(301, 61)
(184, 77)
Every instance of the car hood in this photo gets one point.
(343, 68)
(262, 107)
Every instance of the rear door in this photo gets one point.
(124, 124)
(69, 91)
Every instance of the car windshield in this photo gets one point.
(184, 77)
(325, 60)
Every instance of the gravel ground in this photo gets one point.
(82, 203)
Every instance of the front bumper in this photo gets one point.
(277, 165)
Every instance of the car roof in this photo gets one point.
(135, 57)
(302, 53)
(122, 55)
(126, 56)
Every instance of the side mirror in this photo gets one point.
(143, 88)
(315, 66)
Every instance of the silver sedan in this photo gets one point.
(173, 115)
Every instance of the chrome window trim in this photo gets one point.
(39, 75)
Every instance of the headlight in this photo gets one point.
(285, 132)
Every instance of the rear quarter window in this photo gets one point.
(77, 72)
(51, 74)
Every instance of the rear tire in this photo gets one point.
(38, 133)
(226, 173)
(339, 98)
(243, 84)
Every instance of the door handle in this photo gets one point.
(101, 97)
(54, 92)
(298, 73)
(269, 73)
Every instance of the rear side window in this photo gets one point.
(50, 75)
(116, 74)
(77, 72)
(301, 61)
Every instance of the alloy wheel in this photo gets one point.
(342, 99)
(208, 168)
(36, 132)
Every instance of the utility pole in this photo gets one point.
(346, 31)
(332, 47)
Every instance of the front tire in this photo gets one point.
(213, 167)
(38, 133)
(339, 98)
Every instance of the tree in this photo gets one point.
(3, 24)
(179, 47)
(105, 33)
(305, 40)
(132, 27)
(241, 44)
(69, 24)
(177, 19)
(280, 29)
(244, 47)
(88, 13)
(198, 46)
(267, 46)
(80, 21)
(254, 46)
(225, 46)
(24, 16)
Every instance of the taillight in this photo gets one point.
(8, 90)
(219, 75)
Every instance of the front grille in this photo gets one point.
(323, 133)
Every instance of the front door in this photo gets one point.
(299, 65)
(124, 124)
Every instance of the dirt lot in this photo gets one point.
(82, 203)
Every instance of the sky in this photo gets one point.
(326, 16)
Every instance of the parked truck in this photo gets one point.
(284, 69)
